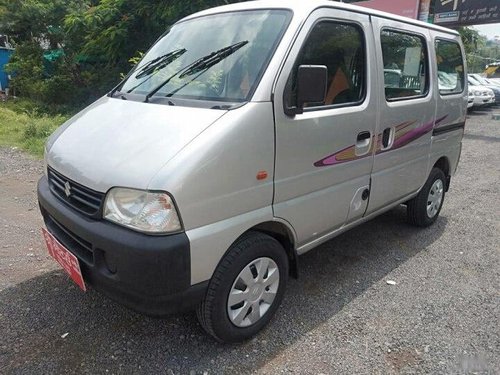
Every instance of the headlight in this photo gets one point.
(151, 212)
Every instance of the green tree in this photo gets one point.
(35, 27)
(86, 43)
(114, 30)
(473, 42)
(35, 20)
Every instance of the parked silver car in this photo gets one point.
(248, 135)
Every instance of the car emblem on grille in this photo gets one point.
(67, 189)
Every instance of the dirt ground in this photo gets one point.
(22, 254)
(340, 317)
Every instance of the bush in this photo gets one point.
(37, 130)
(23, 124)
(60, 83)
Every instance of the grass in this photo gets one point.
(26, 125)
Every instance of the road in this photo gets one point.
(340, 317)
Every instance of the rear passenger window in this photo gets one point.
(340, 47)
(450, 67)
(405, 65)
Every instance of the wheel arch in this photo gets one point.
(443, 163)
(284, 234)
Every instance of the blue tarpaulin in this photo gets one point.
(5, 54)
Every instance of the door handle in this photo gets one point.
(363, 139)
(363, 142)
(387, 138)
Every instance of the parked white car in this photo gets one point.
(479, 80)
(492, 81)
(495, 81)
(483, 96)
(470, 99)
(485, 81)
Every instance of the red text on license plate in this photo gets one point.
(64, 257)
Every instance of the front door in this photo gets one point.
(324, 156)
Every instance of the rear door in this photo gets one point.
(324, 156)
(406, 111)
(451, 99)
(452, 95)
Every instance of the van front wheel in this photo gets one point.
(424, 209)
(246, 289)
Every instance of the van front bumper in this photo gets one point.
(149, 274)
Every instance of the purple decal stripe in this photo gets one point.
(405, 125)
(403, 137)
(342, 156)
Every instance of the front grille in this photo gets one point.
(77, 245)
(81, 198)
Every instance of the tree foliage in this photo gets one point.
(473, 42)
(86, 43)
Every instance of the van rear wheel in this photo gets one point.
(424, 209)
(246, 289)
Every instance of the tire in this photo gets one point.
(252, 249)
(424, 209)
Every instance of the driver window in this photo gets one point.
(339, 47)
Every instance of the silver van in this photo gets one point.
(248, 135)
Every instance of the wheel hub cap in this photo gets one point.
(435, 198)
(253, 292)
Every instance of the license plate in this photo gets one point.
(64, 257)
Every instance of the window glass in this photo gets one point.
(450, 67)
(339, 47)
(219, 57)
(405, 65)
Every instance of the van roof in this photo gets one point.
(305, 8)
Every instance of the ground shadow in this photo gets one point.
(481, 111)
(104, 336)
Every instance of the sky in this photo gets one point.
(490, 31)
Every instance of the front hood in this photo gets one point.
(123, 143)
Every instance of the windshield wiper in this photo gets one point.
(199, 66)
(160, 62)
(214, 58)
(155, 65)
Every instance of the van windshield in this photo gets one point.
(213, 58)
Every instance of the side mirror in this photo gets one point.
(312, 81)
